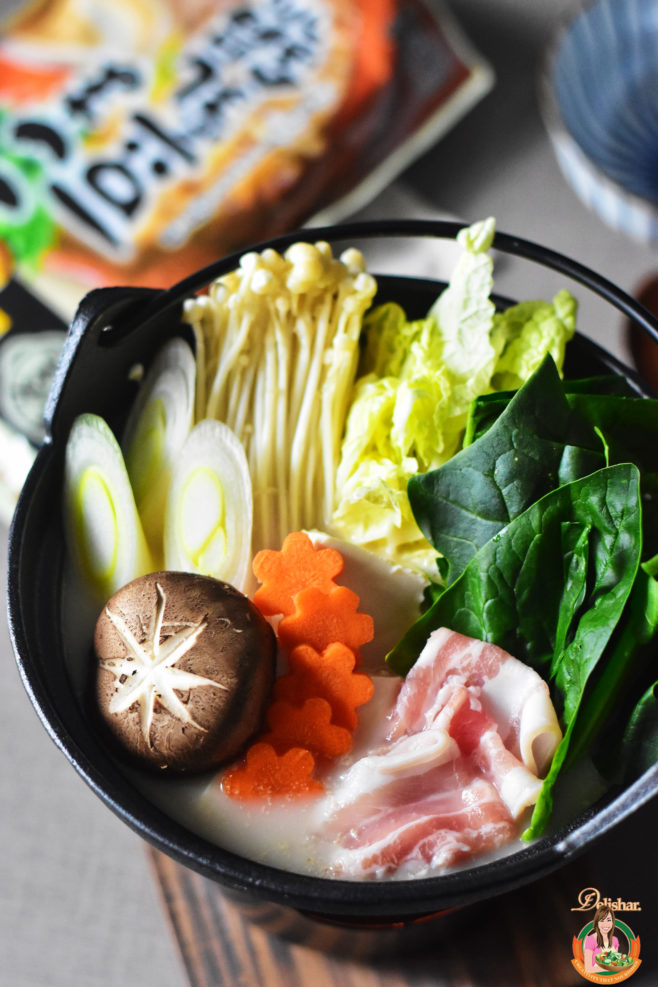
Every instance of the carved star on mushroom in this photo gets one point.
(146, 674)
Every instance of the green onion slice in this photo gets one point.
(102, 525)
(209, 516)
(158, 424)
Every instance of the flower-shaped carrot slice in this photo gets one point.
(321, 619)
(329, 675)
(309, 726)
(296, 567)
(266, 773)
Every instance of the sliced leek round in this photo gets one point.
(158, 424)
(103, 529)
(209, 514)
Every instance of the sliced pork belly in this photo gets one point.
(512, 693)
(478, 737)
(448, 782)
(414, 839)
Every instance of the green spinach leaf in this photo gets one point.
(629, 426)
(486, 408)
(550, 588)
(512, 590)
(630, 748)
(535, 445)
(639, 750)
(630, 660)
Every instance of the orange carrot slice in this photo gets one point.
(309, 726)
(268, 774)
(296, 567)
(328, 674)
(314, 709)
(321, 619)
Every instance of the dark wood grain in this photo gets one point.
(522, 939)
(494, 945)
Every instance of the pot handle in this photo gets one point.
(109, 319)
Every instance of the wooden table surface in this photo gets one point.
(521, 939)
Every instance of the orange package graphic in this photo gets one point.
(142, 139)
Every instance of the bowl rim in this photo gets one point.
(408, 898)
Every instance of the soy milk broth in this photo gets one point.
(287, 836)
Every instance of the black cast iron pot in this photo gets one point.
(112, 331)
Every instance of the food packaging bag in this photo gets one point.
(143, 139)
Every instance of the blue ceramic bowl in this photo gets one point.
(599, 99)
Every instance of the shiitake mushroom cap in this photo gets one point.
(184, 670)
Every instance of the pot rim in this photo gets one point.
(408, 898)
